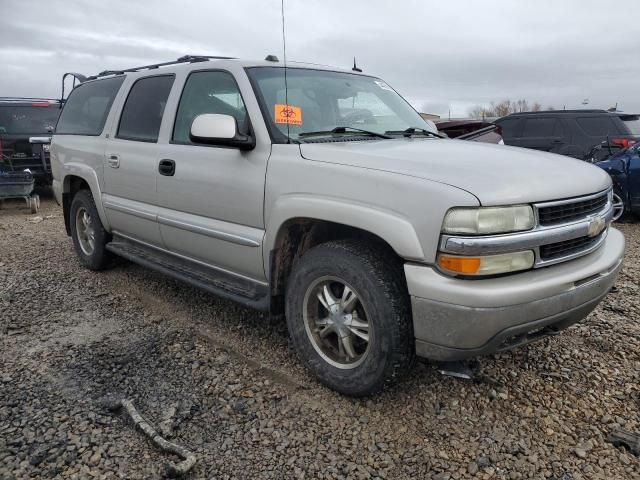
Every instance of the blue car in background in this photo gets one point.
(624, 169)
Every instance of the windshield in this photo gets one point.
(18, 120)
(319, 101)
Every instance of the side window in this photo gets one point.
(597, 126)
(142, 113)
(85, 111)
(208, 92)
(509, 127)
(542, 127)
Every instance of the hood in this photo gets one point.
(495, 174)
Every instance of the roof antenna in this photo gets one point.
(284, 56)
(355, 68)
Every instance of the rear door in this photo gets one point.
(131, 160)
(543, 133)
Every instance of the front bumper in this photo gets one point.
(455, 319)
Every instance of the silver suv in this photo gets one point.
(322, 195)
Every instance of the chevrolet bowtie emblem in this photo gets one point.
(596, 225)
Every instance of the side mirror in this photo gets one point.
(217, 129)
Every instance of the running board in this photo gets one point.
(222, 284)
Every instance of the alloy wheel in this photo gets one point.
(336, 322)
(85, 231)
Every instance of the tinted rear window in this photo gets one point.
(85, 111)
(509, 127)
(598, 126)
(542, 127)
(142, 113)
(633, 125)
(27, 120)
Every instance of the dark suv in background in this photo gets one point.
(26, 125)
(569, 132)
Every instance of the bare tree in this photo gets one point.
(505, 107)
(480, 112)
(521, 106)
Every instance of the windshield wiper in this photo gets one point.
(342, 130)
(412, 130)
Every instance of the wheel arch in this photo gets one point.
(81, 178)
(295, 234)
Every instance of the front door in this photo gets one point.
(131, 161)
(211, 201)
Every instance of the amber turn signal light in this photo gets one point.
(463, 265)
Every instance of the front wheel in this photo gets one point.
(348, 316)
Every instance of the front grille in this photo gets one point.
(568, 212)
(567, 247)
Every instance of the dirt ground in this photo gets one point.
(223, 381)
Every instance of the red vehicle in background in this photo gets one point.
(474, 130)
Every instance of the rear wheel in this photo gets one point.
(348, 316)
(88, 233)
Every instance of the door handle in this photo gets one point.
(113, 161)
(167, 167)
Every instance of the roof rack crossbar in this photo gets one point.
(183, 59)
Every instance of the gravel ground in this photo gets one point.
(222, 381)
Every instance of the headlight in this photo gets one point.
(486, 264)
(488, 220)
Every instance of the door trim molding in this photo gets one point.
(131, 211)
(209, 232)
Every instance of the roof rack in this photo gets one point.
(183, 59)
(584, 110)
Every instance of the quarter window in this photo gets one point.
(542, 127)
(85, 111)
(597, 126)
(142, 113)
(208, 92)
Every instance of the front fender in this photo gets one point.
(392, 227)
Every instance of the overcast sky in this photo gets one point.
(440, 55)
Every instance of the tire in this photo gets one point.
(382, 302)
(97, 257)
(619, 207)
(34, 203)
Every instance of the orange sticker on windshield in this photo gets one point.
(288, 114)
